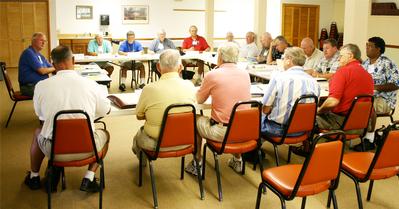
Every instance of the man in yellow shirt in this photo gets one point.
(157, 96)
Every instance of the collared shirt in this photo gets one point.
(283, 90)
(65, 91)
(133, 47)
(328, 65)
(103, 49)
(199, 44)
(348, 82)
(157, 46)
(249, 51)
(30, 62)
(157, 96)
(226, 85)
(313, 60)
(263, 55)
(384, 71)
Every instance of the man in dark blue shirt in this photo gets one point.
(33, 66)
(128, 46)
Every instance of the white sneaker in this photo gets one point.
(236, 165)
(191, 168)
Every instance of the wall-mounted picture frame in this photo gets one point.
(135, 14)
(104, 19)
(84, 12)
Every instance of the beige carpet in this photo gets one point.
(121, 170)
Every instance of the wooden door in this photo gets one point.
(19, 20)
(300, 21)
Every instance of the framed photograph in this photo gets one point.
(104, 19)
(84, 12)
(135, 14)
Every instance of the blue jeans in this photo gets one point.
(274, 129)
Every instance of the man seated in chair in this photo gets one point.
(99, 46)
(157, 46)
(276, 50)
(33, 66)
(283, 90)
(157, 96)
(329, 63)
(66, 90)
(249, 50)
(386, 83)
(227, 85)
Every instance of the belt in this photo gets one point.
(214, 122)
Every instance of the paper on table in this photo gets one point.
(258, 89)
(125, 100)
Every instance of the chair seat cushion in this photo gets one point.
(234, 147)
(19, 97)
(82, 162)
(283, 178)
(358, 163)
(347, 136)
(288, 139)
(172, 153)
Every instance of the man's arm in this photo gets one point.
(45, 70)
(328, 105)
(386, 87)
(270, 56)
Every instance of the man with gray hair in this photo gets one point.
(157, 96)
(249, 50)
(265, 40)
(99, 46)
(227, 85)
(157, 46)
(33, 66)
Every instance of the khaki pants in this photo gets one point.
(332, 121)
(205, 130)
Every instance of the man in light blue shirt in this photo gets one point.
(99, 46)
(157, 46)
(131, 45)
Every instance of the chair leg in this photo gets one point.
(101, 185)
(276, 154)
(103, 178)
(334, 199)
(289, 155)
(182, 169)
(329, 199)
(199, 179)
(359, 195)
(140, 168)
(363, 145)
(63, 180)
(154, 189)
(260, 163)
(259, 196)
(370, 190)
(218, 176)
(243, 167)
(203, 161)
(282, 201)
(303, 202)
(49, 186)
(12, 111)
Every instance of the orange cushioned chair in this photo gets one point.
(302, 120)
(384, 163)
(178, 129)
(14, 95)
(73, 136)
(242, 135)
(320, 172)
(358, 117)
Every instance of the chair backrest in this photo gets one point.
(72, 135)
(303, 114)
(323, 163)
(178, 128)
(244, 123)
(359, 113)
(7, 80)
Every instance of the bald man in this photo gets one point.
(266, 40)
(313, 55)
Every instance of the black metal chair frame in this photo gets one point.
(51, 167)
(216, 152)
(333, 186)
(154, 157)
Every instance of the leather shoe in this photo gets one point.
(299, 151)
(122, 87)
(89, 186)
(141, 86)
(32, 183)
(367, 145)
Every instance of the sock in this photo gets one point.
(34, 174)
(142, 80)
(90, 175)
(123, 80)
(369, 136)
(237, 159)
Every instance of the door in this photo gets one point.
(300, 21)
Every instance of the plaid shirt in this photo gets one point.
(384, 71)
(328, 65)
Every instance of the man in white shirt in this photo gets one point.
(64, 91)
(249, 50)
(313, 55)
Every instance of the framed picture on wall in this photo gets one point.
(135, 14)
(84, 12)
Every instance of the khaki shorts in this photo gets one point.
(143, 141)
(205, 130)
(128, 65)
(380, 106)
(101, 137)
(332, 121)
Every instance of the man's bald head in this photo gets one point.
(308, 46)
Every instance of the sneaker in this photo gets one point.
(122, 87)
(32, 183)
(89, 186)
(367, 145)
(56, 179)
(236, 165)
(141, 86)
(192, 169)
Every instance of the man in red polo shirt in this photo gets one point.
(195, 43)
(350, 81)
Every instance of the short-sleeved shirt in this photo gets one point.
(157, 46)
(133, 47)
(29, 63)
(227, 85)
(348, 82)
(328, 65)
(283, 90)
(93, 47)
(65, 91)
(263, 55)
(157, 96)
(384, 71)
(199, 44)
(249, 51)
(313, 60)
